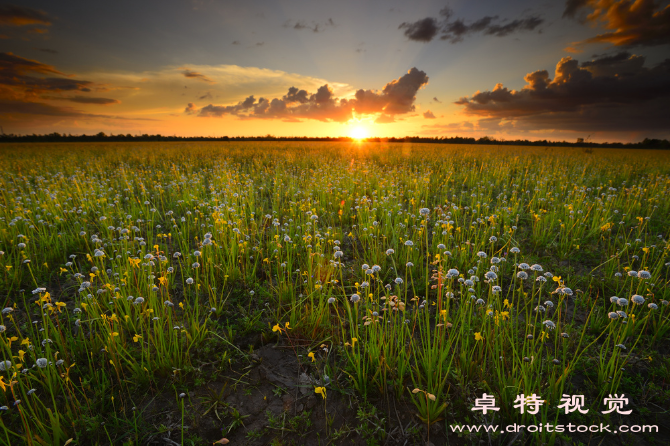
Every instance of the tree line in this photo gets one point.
(647, 143)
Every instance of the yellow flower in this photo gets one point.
(137, 337)
(354, 341)
(507, 304)
(276, 328)
(321, 391)
(311, 355)
(287, 325)
(478, 337)
(3, 384)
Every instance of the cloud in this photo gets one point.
(27, 76)
(395, 98)
(436, 100)
(190, 108)
(9, 107)
(609, 93)
(47, 50)
(313, 26)
(425, 30)
(20, 16)
(428, 114)
(195, 75)
(628, 23)
(90, 100)
(236, 42)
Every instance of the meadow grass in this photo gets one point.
(429, 274)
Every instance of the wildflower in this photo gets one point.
(478, 336)
(424, 211)
(644, 274)
(139, 301)
(321, 391)
(189, 281)
(493, 239)
(652, 306)
(637, 299)
(481, 254)
(496, 289)
(490, 275)
(409, 243)
(523, 266)
(355, 298)
(311, 355)
(331, 300)
(612, 315)
(536, 267)
(614, 299)
(42, 362)
(523, 275)
(196, 253)
(622, 314)
(549, 324)
(389, 251)
(621, 346)
(31, 391)
(549, 304)
(5, 365)
(515, 250)
(398, 280)
(622, 302)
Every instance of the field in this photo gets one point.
(331, 293)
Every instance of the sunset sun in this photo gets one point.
(359, 132)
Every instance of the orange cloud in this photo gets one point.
(195, 75)
(397, 97)
(629, 22)
(20, 16)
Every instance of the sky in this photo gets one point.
(520, 69)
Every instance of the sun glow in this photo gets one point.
(359, 132)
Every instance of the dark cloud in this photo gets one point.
(25, 82)
(396, 98)
(628, 23)
(90, 100)
(236, 42)
(423, 30)
(454, 31)
(437, 100)
(195, 75)
(428, 114)
(190, 108)
(47, 50)
(572, 6)
(20, 16)
(27, 76)
(608, 93)
(12, 108)
(311, 26)
(207, 95)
